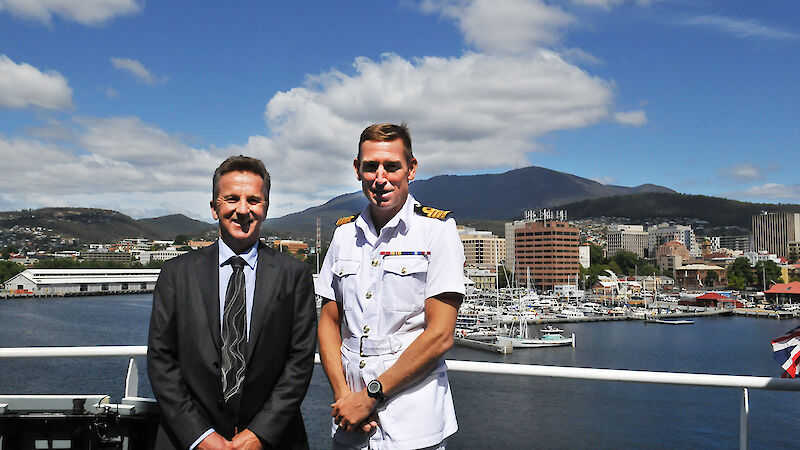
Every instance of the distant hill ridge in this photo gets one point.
(718, 212)
(474, 197)
(103, 225)
(485, 201)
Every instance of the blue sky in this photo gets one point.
(130, 105)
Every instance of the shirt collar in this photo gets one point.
(250, 256)
(399, 220)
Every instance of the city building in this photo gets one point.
(734, 243)
(482, 249)
(145, 257)
(631, 238)
(784, 293)
(659, 235)
(671, 255)
(509, 253)
(58, 282)
(694, 276)
(122, 257)
(199, 244)
(286, 245)
(774, 231)
(756, 257)
(584, 256)
(483, 279)
(549, 249)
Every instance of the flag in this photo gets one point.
(787, 352)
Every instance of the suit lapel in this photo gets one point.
(208, 275)
(264, 295)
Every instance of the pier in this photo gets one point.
(765, 313)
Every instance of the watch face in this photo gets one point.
(374, 387)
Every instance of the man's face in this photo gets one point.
(384, 174)
(240, 208)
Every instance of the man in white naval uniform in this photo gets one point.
(392, 282)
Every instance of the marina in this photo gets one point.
(592, 412)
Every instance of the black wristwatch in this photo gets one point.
(375, 390)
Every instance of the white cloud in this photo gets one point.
(743, 172)
(459, 109)
(608, 4)
(22, 86)
(506, 27)
(136, 69)
(472, 112)
(769, 192)
(742, 28)
(632, 118)
(86, 12)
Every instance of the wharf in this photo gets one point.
(716, 312)
(481, 345)
(11, 295)
(767, 313)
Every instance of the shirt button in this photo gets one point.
(362, 364)
(366, 328)
(368, 294)
(403, 270)
(375, 263)
(341, 272)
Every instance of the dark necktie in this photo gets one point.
(234, 331)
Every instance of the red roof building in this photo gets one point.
(781, 293)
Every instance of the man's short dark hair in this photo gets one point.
(387, 132)
(240, 163)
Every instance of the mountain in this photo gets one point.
(650, 207)
(103, 225)
(176, 224)
(473, 197)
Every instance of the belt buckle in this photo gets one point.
(361, 345)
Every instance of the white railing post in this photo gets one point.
(743, 422)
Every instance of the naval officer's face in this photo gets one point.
(384, 174)
(240, 208)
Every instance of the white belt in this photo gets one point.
(384, 345)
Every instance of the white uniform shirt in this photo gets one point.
(382, 281)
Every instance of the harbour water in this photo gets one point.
(494, 411)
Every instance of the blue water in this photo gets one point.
(494, 411)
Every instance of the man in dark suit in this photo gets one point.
(233, 330)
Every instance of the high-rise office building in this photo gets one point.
(659, 235)
(774, 231)
(549, 249)
(482, 249)
(631, 238)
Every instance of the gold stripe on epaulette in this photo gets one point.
(346, 219)
(433, 213)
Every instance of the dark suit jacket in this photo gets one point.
(183, 355)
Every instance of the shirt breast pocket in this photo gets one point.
(404, 279)
(345, 272)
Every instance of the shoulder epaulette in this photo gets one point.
(346, 219)
(433, 213)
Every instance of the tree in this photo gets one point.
(8, 250)
(711, 279)
(769, 269)
(793, 256)
(626, 261)
(8, 269)
(180, 239)
(596, 255)
(740, 273)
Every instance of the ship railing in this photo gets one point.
(745, 383)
